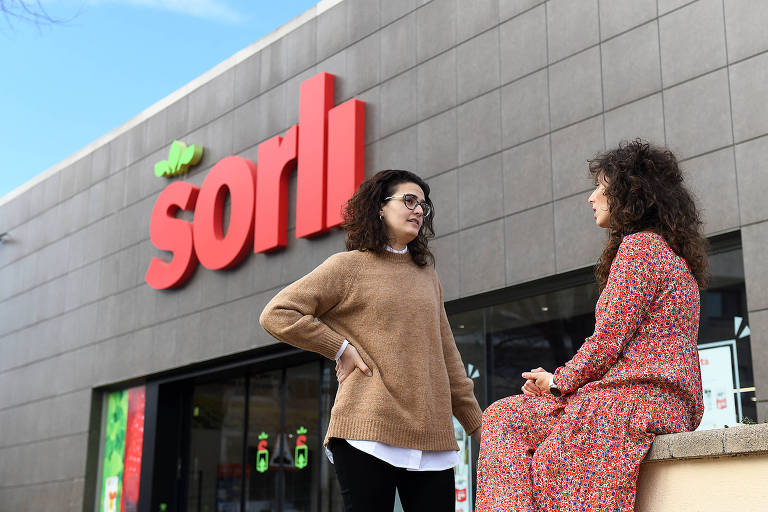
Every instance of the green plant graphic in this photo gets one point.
(180, 158)
(114, 449)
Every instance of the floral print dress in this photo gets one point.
(636, 376)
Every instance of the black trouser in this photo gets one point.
(368, 484)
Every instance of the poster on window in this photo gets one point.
(463, 471)
(123, 443)
(717, 380)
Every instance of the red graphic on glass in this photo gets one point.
(134, 441)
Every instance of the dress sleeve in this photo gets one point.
(292, 316)
(623, 304)
(463, 401)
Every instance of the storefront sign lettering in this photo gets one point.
(327, 150)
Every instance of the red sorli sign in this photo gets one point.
(327, 149)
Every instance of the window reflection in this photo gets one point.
(216, 445)
(724, 319)
(262, 488)
(546, 329)
(302, 438)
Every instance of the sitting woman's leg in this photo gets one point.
(513, 428)
(591, 459)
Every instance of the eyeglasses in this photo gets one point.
(411, 202)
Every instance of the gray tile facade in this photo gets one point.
(692, 41)
(498, 103)
(631, 65)
(523, 44)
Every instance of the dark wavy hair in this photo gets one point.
(645, 191)
(366, 231)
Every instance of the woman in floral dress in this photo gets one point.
(574, 440)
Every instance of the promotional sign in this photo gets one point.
(718, 383)
(123, 443)
(301, 456)
(327, 150)
(463, 471)
(262, 453)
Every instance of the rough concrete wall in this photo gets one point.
(498, 103)
(713, 484)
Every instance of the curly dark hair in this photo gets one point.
(366, 231)
(645, 191)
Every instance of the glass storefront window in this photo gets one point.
(724, 344)
(468, 332)
(249, 439)
(302, 437)
(330, 490)
(262, 481)
(543, 330)
(216, 445)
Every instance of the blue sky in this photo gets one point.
(62, 86)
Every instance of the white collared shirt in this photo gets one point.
(408, 458)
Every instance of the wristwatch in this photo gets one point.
(553, 387)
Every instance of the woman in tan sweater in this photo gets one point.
(377, 309)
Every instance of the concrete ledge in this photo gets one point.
(712, 470)
(739, 440)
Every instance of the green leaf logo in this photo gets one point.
(162, 169)
(180, 158)
(174, 155)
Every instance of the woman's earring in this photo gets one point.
(380, 217)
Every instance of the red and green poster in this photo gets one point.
(123, 440)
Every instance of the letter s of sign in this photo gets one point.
(171, 234)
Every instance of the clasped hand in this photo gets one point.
(536, 382)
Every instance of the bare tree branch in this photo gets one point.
(28, 11)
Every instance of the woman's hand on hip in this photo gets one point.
(349, 360)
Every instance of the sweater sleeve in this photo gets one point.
(623, 304)
(292, 316)
(463, 401)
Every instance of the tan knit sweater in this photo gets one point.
(391, 311)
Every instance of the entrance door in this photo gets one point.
(214, 481)
(302, 429)
(283, 440)
(263, 485)
(246, 441)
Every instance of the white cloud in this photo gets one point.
(206, 9)
(216, 10)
